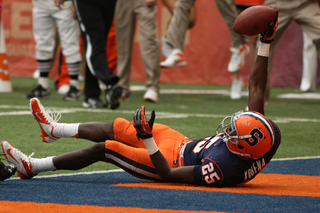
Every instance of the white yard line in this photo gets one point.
(308, 95)
(159, 114)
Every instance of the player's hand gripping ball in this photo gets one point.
(252, 21)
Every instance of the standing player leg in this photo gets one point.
(176, 32)
(239, 49)
(125, 19)
(44, 30)
(95, 21)
(150, 48)
(69, 33)
(310, 65)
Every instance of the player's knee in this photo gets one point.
(96, 151)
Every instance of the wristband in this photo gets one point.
(150, 145)
(263, 49)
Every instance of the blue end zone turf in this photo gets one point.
(294, 167)
(97, 189)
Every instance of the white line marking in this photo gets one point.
(300, 95)
(297, 158)
(159, 114)
(227, 93)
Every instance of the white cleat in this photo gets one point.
(238, 57)
(46, 122)
(151, 95)
(20, 160)
(175, 59)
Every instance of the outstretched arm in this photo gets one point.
(257, 84)
(166, 173)
(259, 73)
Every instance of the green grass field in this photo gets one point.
(194, 115)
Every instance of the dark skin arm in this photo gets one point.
(259, 73)
(257, 84)
(177, 175)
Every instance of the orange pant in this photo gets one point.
(132, 156)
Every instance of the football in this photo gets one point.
(252, 20)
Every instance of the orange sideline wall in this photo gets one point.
(206, 50)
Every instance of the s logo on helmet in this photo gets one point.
(256, 134)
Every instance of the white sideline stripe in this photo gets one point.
(297, 158)
(159, 114)
(121, 170)
(300, 95)
(227, 92)
(184, 91)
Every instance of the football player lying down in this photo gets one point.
(235, 155)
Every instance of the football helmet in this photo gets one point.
(247, 134)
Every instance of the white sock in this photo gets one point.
(42, 165)
(63, 130)
(74, 83)
(44, 82)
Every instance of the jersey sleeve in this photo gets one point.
(208, 173)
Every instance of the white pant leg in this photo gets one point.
(44, 30)
(69, 33)
(310, 65)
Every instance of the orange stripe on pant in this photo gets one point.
(131, 154)
(17, 207)
(268, 184)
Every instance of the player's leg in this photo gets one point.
(169, 4)
(125, 22)
(69, 33)
(44, 30)
(175, 35)
(95, 21)
(29, 167)
(149, 47)
(239, 50)
(51, 130)
(180, 20)
(229, 13)
(310, 65)
(120, 130)
(308, 18)
(80, 159)
(135, 161)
